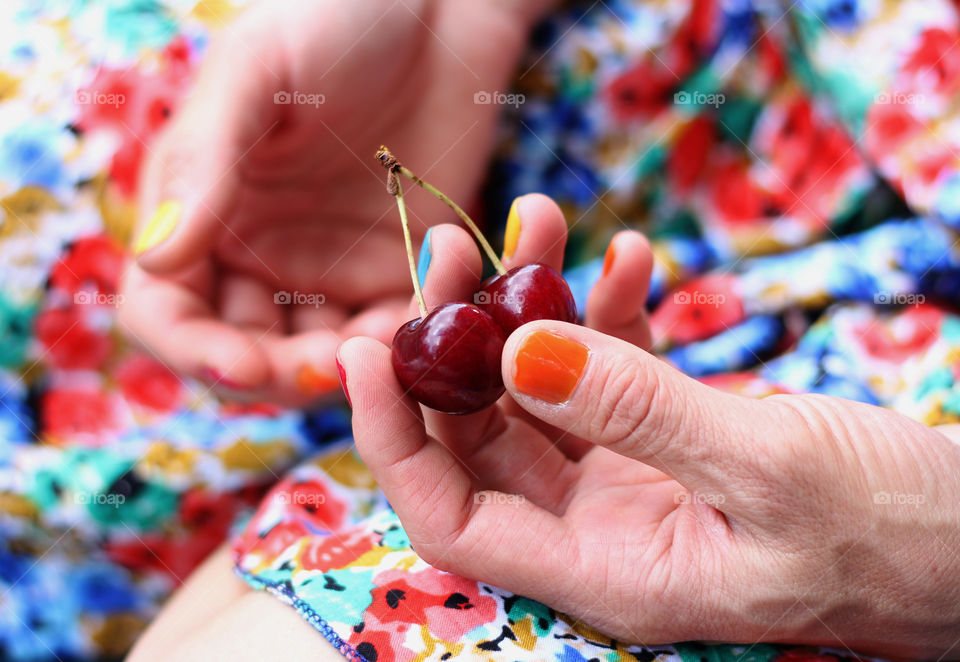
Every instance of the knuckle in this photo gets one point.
(628, 402)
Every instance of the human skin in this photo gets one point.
(694, 514)
(214, 615)
(656, 509)
(274, 196)
(289, 198)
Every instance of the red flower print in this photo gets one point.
(337, 551)
(771, 58)
(125, 167)
(202, 509)
(277, 539)
(888, 127)
(690, 153)
(375, 644)
(312, 502)
(134, 104)
(641, 91)
(174, 557)
(92, 263)
(735, 196)
(699, 309)
(902, 337)
(694, 39)
(452, 605)
(397, 601)
(935, 63)
(147, 382)
(67, 414)
(68, 342)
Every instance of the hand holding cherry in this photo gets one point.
(678, 497)
(449, 359)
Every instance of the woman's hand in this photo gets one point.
(267, 236)
(682, 512)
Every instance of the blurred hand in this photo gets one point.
(264, 189)
(611, 487)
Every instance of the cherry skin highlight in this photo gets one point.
(450, 359)
(525, 294)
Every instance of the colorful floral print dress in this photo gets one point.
(795, 165)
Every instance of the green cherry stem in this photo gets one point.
(390, 162)
(402, 206)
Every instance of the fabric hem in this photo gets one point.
(305, 610)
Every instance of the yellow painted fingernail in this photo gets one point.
(512, 233)
(160, 227)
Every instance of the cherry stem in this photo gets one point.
(402, 206)
(393, 166)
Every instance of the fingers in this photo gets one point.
(616, 305)
(452, 529)
(449, 267)
(178, 324)
(616, 395)
(303, 366)
(536, 232)
(192, 176)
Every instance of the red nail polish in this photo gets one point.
(216, 378)
(343, 380)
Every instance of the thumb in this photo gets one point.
(616, 395)
(191, 180)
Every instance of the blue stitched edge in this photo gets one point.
(304, 610)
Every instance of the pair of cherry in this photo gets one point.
(449, 359)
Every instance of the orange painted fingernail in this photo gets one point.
(512, 232)
(549, 366)
(609, 258)
(311, 382)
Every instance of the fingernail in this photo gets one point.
(343, 373)
(312, 382)
(423, 263)
(160, 227)
(608, 259)
(512, 233)
(217, 378)
(549, 366)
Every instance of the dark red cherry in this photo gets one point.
(524, 294)
(450, 359)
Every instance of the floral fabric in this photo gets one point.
(794, 164)
(781, 189)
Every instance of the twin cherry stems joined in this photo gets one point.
(449, 358)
